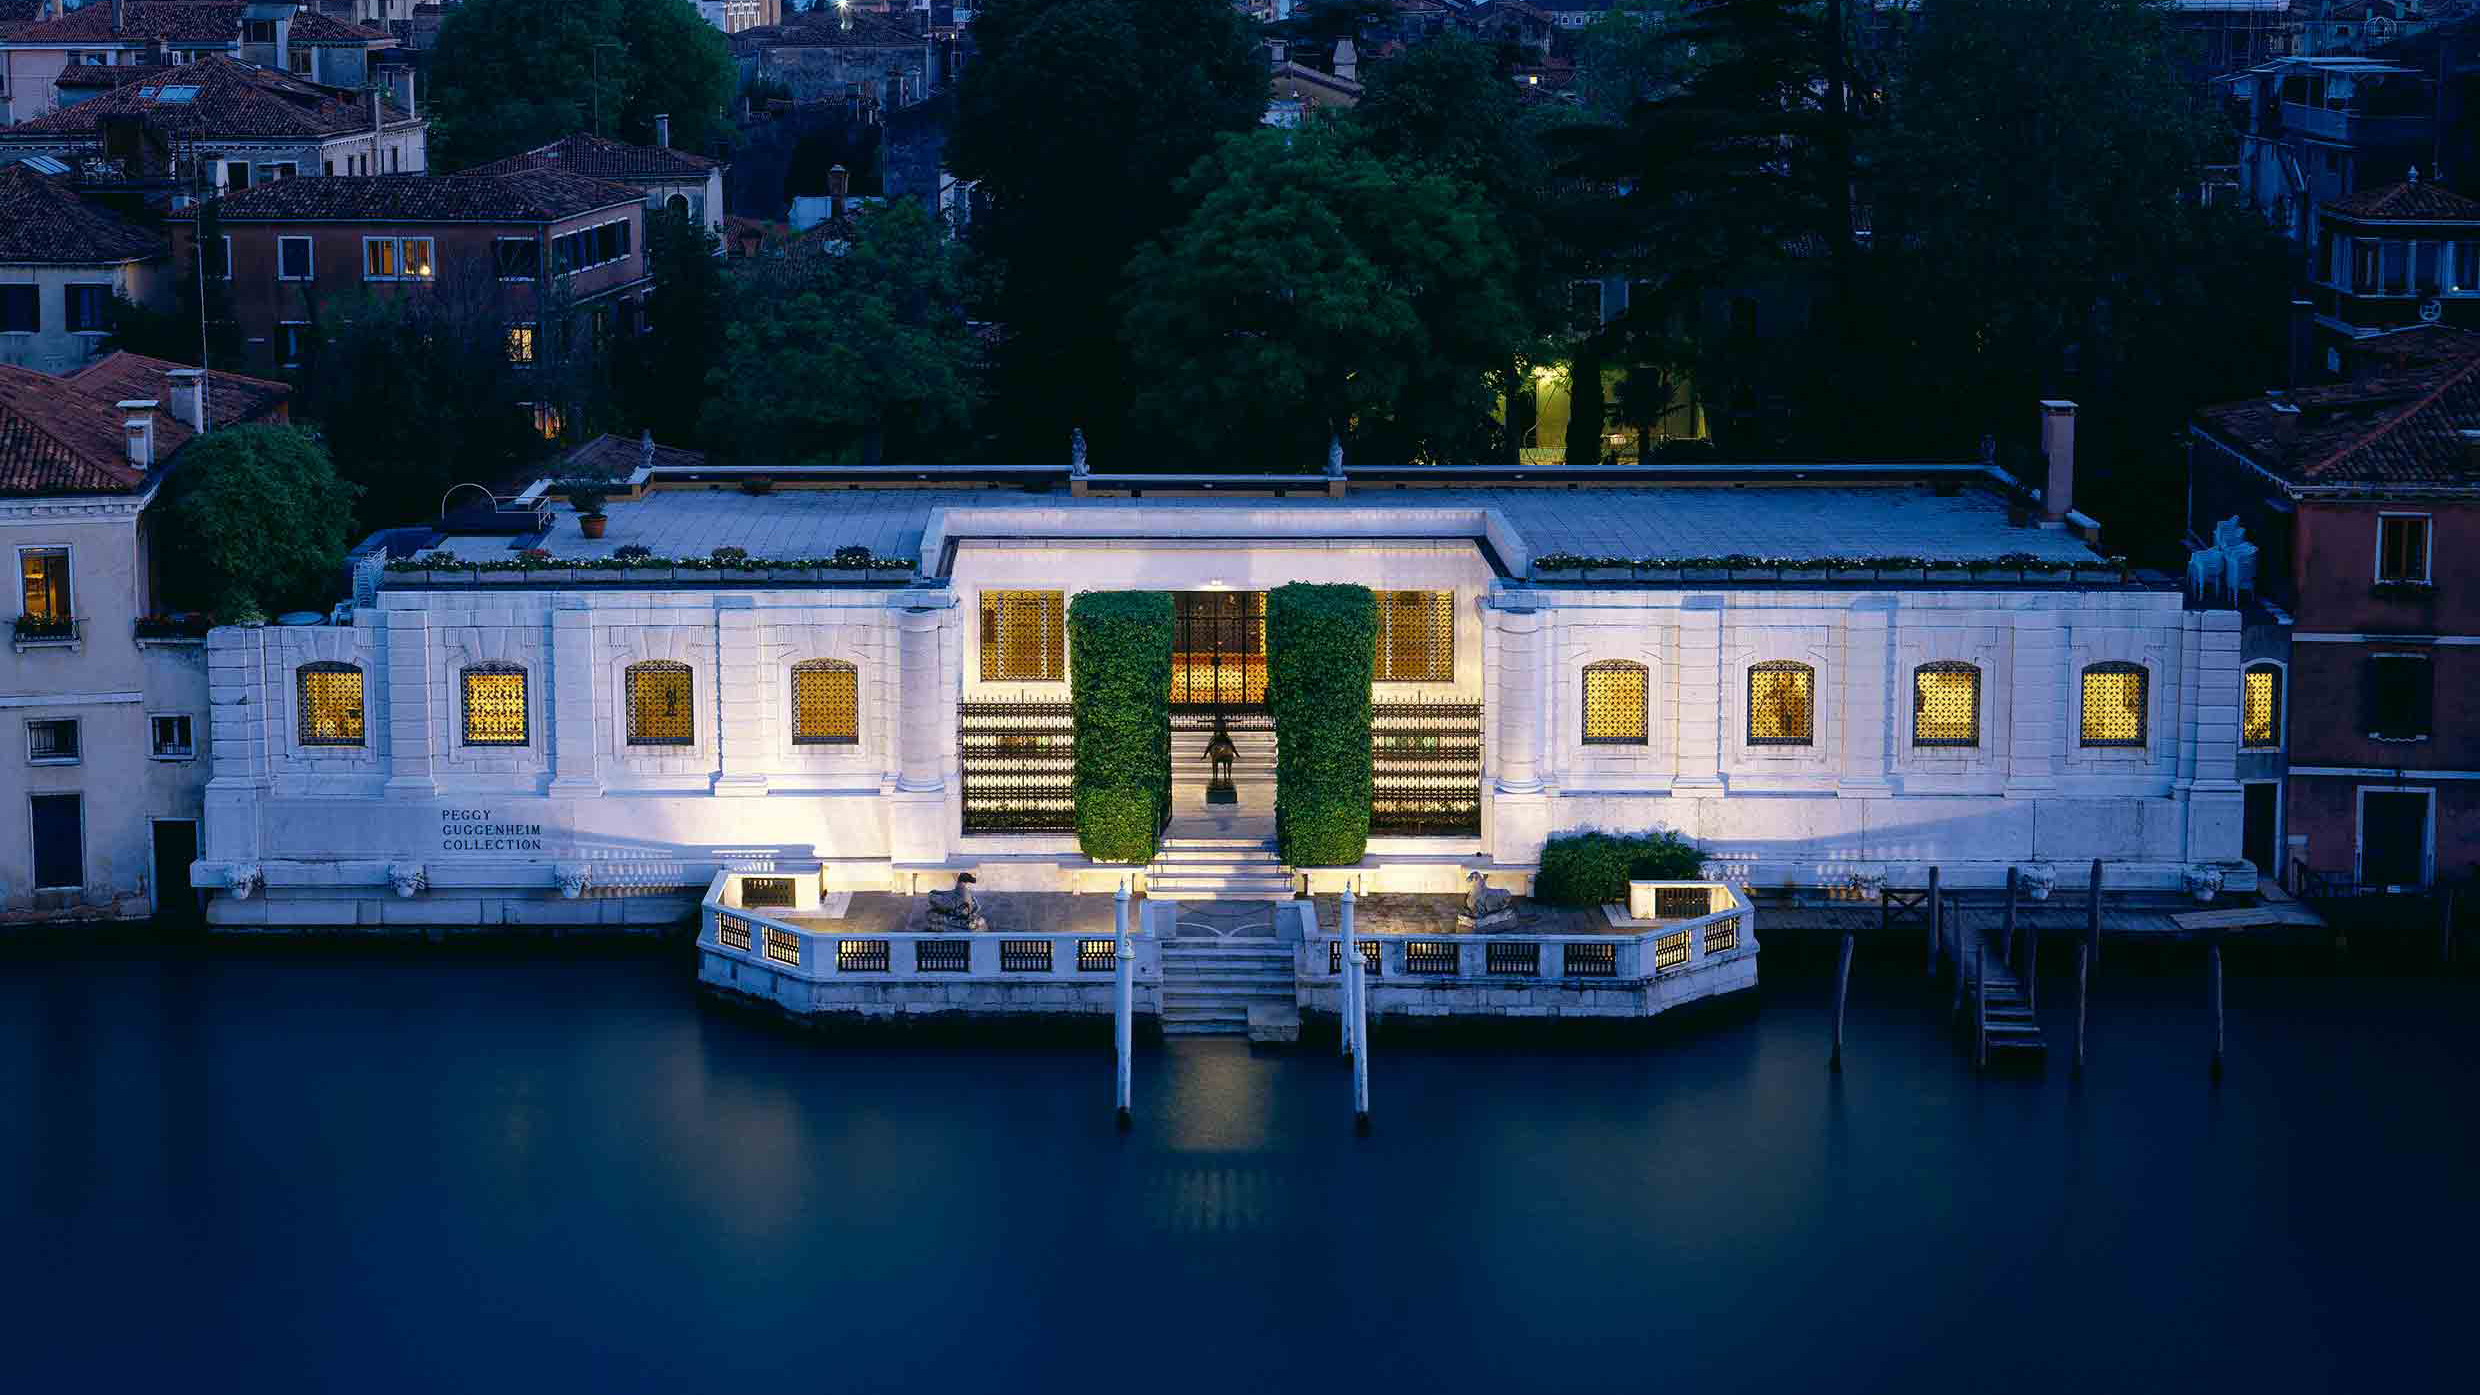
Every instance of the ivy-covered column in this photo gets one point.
(1321, 646)
(1119, 690)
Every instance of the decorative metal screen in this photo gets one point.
(330, 702)
(2114, 705)
(1589, 960)
(1430, 956)
(1722, 934)
(1670, 951)
(1096, 956)
(783, 946)
(1782, 704)
(826, 703)
(1614, 703)
(494, 705)
(942, 956)
(1516, 959)
(1416, 637)
(2260, 710)
(1024, 636)
(767, 893)
(861, 956)
(1370, 957)
(1218, 651)
(1682, 902)
(660, 712)
(1946, 705)
(1025, 956)
(731, 931)
(1018, 760)
(1425, 769)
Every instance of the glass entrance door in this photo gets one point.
(1218, 651)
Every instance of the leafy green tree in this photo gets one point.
(509, 75)
(252, 523)
(1626, 56)
(684, 334)
(201, 316)
(1318, 289)
(1079, 117)
(833, 359)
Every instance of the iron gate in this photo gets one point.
(1218, 651)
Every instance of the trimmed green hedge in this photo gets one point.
(1592, 868)
(1321, 642)
(1119, 670)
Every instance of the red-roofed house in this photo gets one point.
(2363, 497)
(62, 260)
(688, 184)
(36, 53)
(107, 695)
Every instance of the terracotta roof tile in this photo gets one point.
(2396, 425)
(609, 457)
(44, 224)
(63, 435)
(2407, 203)
(182, 23)
(232, 100)
(528, 196)
(604, 159)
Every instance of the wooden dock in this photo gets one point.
(1994, 1007)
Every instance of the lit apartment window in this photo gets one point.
(1614, 703)
(659, 704)
(521, 344)
(172, 736)
(330, 699)
(826, 703)
(2400, 702)
(1782, 704)
(43, 575)
(52, 741)
(1416, 637)
(397, 259)
(1946, 705)
(2114, 710)
(2402, 547)
(1024, 636)
(494, 705)
(2260, 707)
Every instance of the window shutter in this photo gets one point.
(2370, 719)
(2420, 680)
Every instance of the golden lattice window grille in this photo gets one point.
(494, 705)
(1024, 636)
(2114, 697)
(826, 703)
(1782, 704)
(1946, 705)
(1416, 637)
(330, 703)
(1614, 703)
(2260, 708)
(660, 704)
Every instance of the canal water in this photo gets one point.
(306, 1171)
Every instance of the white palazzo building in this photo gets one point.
(1888, 672)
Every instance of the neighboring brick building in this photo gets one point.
(226, 125)
(672, 179)
(831, 56)
(299, 245)
(62, 260)
(2364, 499)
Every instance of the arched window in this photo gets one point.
(494, 696)
(677, 203)
(1614, 703)
(1946, 705)
(1782, 704)
(329, 704)
(2260, 707)
(826, 703)
(2114, 710)
(659, 704)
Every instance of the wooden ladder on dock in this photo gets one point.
(1994, 1008)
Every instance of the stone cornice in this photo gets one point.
(101, 506)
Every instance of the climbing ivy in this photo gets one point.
(1321, 643)
(1119, 692)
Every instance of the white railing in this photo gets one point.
(1636, 951)
(808, 946)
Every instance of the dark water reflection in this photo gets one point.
(436, 1173)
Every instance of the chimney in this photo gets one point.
(839, 184)
(1347, 61)
(2058, 445)
(400, 86)
(138, 424)
(2285, 425)
(189, 397)
(120, 15)
(2303, 345)
(663, 129)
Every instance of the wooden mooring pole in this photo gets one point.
(1356, 1009)
(1123, 1001)
(2011, 874)
(1933, 924)
(1842, 990)
(2445, 926)
(2092, 913)
(1980, 1006)
(2213, 966)
(2083, 990)
(1962, 962)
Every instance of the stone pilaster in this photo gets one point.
(574, 772)
(2039, 716)
(2215, 799)
(241, 724)
(1699, 708)
(1868, 686)
(740, 703)
(411, 699)
(918, 822)
(1519, 801)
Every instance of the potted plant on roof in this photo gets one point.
(851, 562)
(2006, 568)
(2108, 569)
(1558, 566)
(1609, 569)
(734, 564)
(1746, 568)
(541, 566)
(640, 564)
(1704, 569)
(587, 498)
(1658, 569)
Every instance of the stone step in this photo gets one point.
(1264, 844)
(1220, 888)
(1218, 857)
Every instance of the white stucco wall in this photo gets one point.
(53, 347)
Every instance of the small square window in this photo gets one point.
(52, 741)
(417, 258)
(89, 307)
(379, 259)
(292, 340)
(43, 579)
(293, 258)
(2402, 547)
(21, 310)
(172, 736)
